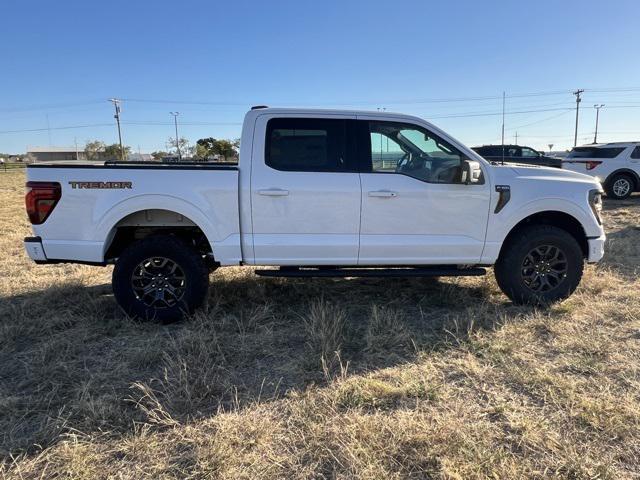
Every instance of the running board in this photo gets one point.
(373, 272)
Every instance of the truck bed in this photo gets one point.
(97, 197)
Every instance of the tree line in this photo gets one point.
(205, 149)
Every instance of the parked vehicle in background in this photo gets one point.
(517, 154)
(616, 165)
(318, 193)
(557, 154)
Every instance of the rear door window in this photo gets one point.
(307, 145)
(529, 153)
(595, 152)
(512, 152)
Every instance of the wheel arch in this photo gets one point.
(134, 214)
(147, 222)
(555, 218)
(627, 171)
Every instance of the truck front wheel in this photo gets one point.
(540, 264)
(161, 278)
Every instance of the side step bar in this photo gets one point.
(373, 272)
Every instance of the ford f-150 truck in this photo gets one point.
(318, 193)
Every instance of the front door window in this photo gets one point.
(412, 151)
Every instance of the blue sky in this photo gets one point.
(210, 61)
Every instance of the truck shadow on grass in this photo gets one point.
(71, 362)
(622, 249)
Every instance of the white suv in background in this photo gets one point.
(617, 165)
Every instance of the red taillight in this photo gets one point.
(592, 164)
(40, 200)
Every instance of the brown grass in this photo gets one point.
(350, 378)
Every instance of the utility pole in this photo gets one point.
(175, 122)
(597, 107)
(503, 97)
(116, 104)
(577, 93)
(516, 138)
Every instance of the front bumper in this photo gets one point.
(596, 248)
(33, 246)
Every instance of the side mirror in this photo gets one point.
(471, 172)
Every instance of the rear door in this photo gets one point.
(305, 191)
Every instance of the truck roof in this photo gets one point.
(328, 111)
(610, 144)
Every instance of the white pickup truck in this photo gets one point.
(318, 193)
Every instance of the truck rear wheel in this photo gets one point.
(540, 264)
(161, 278)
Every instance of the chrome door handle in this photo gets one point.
(383, 194)
(274, 192)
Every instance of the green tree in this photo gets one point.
(182, 142)
(211, 147)
(113, 152)
(94, 150)
(201, 152)
(159, 154)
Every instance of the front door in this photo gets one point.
(415, 210)
(305, 192)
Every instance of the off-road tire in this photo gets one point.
(192, 279)
(514, 269)
(613, 186)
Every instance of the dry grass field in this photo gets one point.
(294, 378)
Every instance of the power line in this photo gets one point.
(195, 123)
(52, 106)
(92, 125)
(488, 114)
(68, 127)
(540, 121)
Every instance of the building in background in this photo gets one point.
(54, 154)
